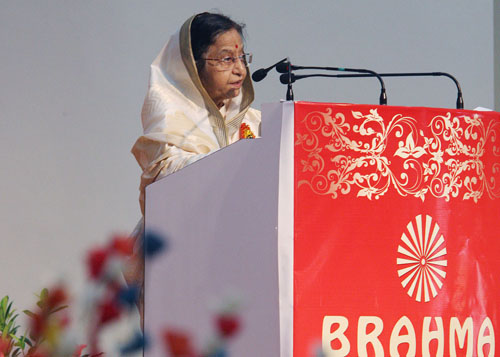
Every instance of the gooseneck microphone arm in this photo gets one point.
(282, 68)
(289, 75)
(261, 73)
(460, 99)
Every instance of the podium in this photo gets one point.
(363, 230)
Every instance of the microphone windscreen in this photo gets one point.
(259, 75)
(282, 67)
(284, 78)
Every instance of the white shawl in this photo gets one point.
(181, 122)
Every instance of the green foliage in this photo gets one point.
(7, 318)
(9, 328)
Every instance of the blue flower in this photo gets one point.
(153, 244)
(136, 343)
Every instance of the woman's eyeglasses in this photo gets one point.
(228, 62)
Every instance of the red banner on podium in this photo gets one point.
(396, 231)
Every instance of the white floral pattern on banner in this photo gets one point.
(364, 152)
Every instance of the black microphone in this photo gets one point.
(459, 102)
(260, 74)
(383, 96)
(282, 68)
(284, 78)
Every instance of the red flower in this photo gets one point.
(178, 343)
(96, 261)
(123, 245)
(38, 324)
(108, 311)
(227, 325)
(5, 346)
(56, 297)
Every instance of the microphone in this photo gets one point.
(260, 74)
(383, 96)
(282, 68)
(459, 102)
(284, 78)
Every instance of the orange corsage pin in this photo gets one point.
(246, 132)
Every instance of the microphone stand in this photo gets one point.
(289, 90)
(459, 102)
(367, 72)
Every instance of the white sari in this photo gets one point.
(181, 122)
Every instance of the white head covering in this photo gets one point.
(181, 122)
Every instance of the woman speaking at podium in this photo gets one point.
(198, 101)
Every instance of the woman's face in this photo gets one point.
(222, 84)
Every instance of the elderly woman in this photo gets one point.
(198, 101)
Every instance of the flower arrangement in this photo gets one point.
(51, 328)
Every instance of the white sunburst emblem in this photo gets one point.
(421, 259)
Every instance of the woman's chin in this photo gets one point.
(234, 93)
(230, 94)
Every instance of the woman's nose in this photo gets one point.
(239, 66)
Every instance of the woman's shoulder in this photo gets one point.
(253, 114)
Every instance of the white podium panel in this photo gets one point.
(220, 217)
